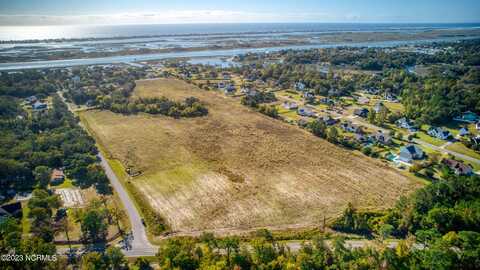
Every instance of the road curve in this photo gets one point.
(140, 246)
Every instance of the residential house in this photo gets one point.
(31, 99)
(11, 209)
(76, 80)
(390, 97)
(463, 132)
(326, 100)
(363, 100)
(459, 168)
(378, 107)
(439, 133)
(371, 91)
(475, 140)
(259, 82)
(185, 75)
(39, 106)
(363, 112)
(290, 105)
(334, 92)
(299, 86)
(302, 122)
(245, 90)
(407, 124)
(252, 93)
(221, 85)
(350, 127)
(361, 138)
(468, 117)
(328, 120)
(226, 76)
(90, 103)
(308, 95)
(57, 177)
(409, 153)
(230, 89)
(382, 138)
(305, 112)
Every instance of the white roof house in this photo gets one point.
(439, 133)
(409, 153)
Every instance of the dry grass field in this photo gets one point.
(236, 169)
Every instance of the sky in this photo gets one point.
(71, 12)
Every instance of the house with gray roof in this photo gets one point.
(410, 153)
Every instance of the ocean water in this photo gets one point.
(114, 31)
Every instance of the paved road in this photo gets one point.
(440, 149)
(140, 246)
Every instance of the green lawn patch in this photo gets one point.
(394, 106)
(462, 149)
(25, 220)
(428, 139)
(67, 183)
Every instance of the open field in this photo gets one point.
(237, 169)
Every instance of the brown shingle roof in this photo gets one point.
(56, 174)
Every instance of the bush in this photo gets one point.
(367, 151)
(269, 111)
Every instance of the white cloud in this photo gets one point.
(165, 17)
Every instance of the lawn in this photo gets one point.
(67, 183)
(462, 149)
(289, 114)
(236, 169)
(394, 106)
(290, 94)
(428, 139)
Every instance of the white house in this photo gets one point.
(463, 131)
(230, 89)
(350, 127)
(382, 138)
(378, 107)
(409, 153)
(31, 99)
(299, 86)
(439, 133)
(39, 106)
(371, 91)
(390, 98)
(308, 95)
(407, 124)
(290, 105)
(363, 100)
(305, 112)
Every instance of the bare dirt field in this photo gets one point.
(237, 169)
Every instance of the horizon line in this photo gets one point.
(251, 22)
